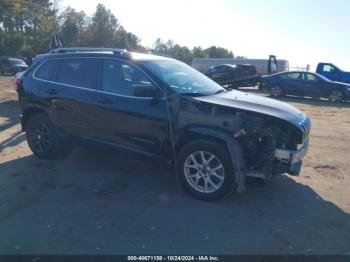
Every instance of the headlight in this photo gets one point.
(300, 146)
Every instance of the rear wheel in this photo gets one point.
(336, 96)
(42, 137)
(276, 91)
(205, 170)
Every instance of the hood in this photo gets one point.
(342, 84)
(345, 75)
(258, 104)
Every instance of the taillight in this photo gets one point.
(18, 81)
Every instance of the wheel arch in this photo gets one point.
(232, 146)
(196, 133)
(29, 112)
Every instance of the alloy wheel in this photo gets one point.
(275, 90)
(336, 96)
(39, 138)
(204, 172)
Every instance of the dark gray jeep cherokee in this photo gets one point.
(163, 108)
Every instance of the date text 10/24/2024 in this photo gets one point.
(173, 258)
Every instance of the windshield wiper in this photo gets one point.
(192, 94)
(220, 91)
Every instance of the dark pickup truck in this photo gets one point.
(234, 76)
(164, 109)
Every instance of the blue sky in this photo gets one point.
(300, 31)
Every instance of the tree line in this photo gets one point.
(26, 27)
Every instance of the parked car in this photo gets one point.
(333, 72)
(12, 66)
(300, 83)
(263, 66)
(234, 76)
(162, 108)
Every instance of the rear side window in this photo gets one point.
(79, 72)
(48, 70)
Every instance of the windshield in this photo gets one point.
(16, 61)
(182, 78)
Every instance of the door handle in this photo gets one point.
(104, 101)
(51, 91)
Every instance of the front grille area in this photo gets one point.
(305, 125)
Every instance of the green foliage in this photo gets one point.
(186, 55)
(217, 52)
(101, 30)
(26, 27)
(73, 25)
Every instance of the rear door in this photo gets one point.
(69, 95)
(120, 117)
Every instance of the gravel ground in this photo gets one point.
(99, 202)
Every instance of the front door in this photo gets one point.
(292, 83)
(130, 121)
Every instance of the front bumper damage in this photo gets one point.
(283, 161)
(292, 158)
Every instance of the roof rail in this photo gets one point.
(122, 52)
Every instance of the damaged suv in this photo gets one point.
(163, 108)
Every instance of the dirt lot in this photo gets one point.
(109, 203)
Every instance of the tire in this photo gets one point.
(42, 137)
(198, 178)
(275, 91)
(336, 96)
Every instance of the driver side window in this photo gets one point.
(328, 69)
(121, 78)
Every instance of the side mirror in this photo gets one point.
(143, 90)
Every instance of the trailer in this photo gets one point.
(261, 65)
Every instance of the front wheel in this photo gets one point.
(205, 170)
(336, 96)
